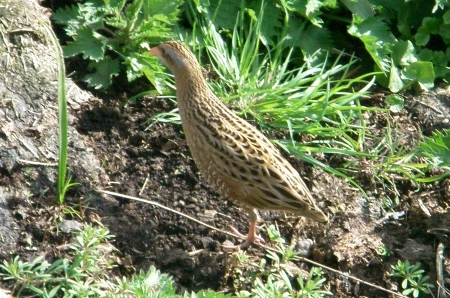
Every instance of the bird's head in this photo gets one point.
(176, 56)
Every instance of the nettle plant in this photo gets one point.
(114, 35)
(407, 40)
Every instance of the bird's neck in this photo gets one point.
(192, 89)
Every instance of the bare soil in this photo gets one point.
(117, 150)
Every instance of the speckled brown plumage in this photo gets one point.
(237, 160)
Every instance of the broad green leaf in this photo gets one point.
(314, 39)
(444, 32)
(395, 82)
(104, 71)
(403, 53)
(63, 15)
(89, 43)
(271, 25)
(310, 9)
(377, 38)
(432, 24)
(439, 59)
(437, 148)
(411, 15)
(163, 7)
(77, 17)
(422, 72)
(361, 8)
(446, 17)
(223, 13)
(425, 55)
(315, 42)
(395, 102)
(422, 36)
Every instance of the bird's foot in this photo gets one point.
(249, 239)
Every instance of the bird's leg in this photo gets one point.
(251, 236)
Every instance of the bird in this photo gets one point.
(236, 159)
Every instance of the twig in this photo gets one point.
(261, 245)
(440, 270)
(143, 186)
(351, 277)
(36, 163)
(27, 146)
(430, 107)
(168, 209)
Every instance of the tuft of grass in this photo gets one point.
(263, 83)
(87, 273)
(310, 110)
(63, 183)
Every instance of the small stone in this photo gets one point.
(206, 241)
(68, 226)
(304, 247)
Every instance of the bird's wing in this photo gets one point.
(245, 157)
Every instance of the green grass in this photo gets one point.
(64, 181)
(88, 272)
(269, 84)
(276, 275)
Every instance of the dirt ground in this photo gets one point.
(159, 159)
(115, 149)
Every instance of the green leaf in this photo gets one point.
(314, 39)
(429, 26)
(440, 62)
(153, 72)
(437, 148)
(446, 17)
(422, 36)
(116, 5)
(395, 102)
(105, 70)
(127, 26)
(405, 285)
(425, 55)
(163, 7)
(422, 72)
(361, 8)
(222, 13)
(64, 15)
(395, 82)
(432, 24)
(131, 14)
(407, 292)
(89, 14)
(443, 31)
(310, 9)
(403, 53)
(89, 43)
(271, 26)
(377, 39)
